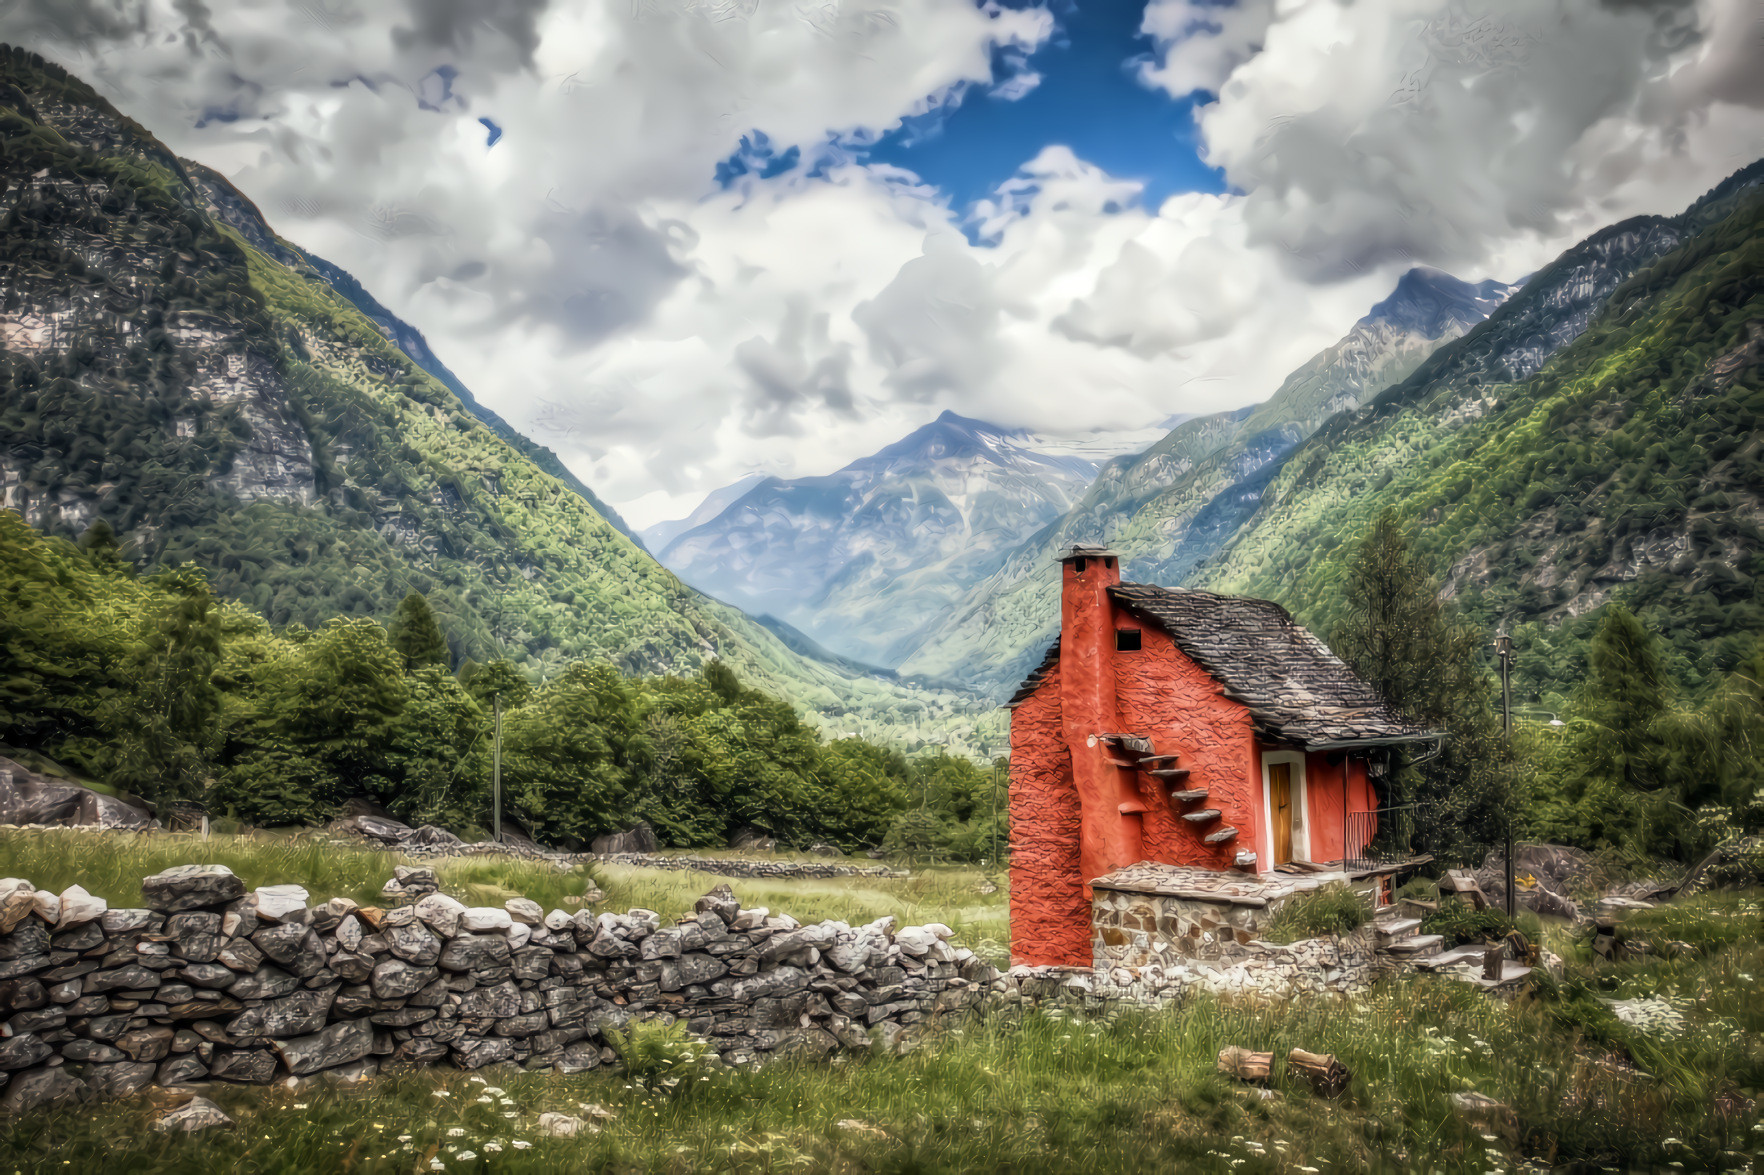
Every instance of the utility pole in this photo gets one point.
(1504, 651)
(496, 772)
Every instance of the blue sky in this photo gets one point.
(1088, 99)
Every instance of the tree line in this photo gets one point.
(1632, 767)
(152, 686)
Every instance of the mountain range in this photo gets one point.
(1593, 432)
(861, 558)
(172, 367)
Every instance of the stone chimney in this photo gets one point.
(1109, 802)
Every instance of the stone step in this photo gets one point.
(1416, 946)
(1221, 835)
(1456, 957)
(1168, 774)
(1202, 816)
(1159, 759)
(1192, 794)
(1391, 929)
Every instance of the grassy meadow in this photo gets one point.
(1016, 1092)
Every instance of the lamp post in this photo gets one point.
(1503, 646)
(496, 774)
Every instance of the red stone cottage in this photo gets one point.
(1209, 735)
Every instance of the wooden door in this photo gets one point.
(1280, 809)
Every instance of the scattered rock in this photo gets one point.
(196, 1114)
(638, 839)
(563, 1126)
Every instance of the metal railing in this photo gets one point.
(1378, 838)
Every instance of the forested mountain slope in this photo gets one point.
(1163, 508)
(214, 399)
(1631, 464)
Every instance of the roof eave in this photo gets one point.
(1343, 744)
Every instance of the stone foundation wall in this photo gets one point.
(211, 983)
(1143, 929)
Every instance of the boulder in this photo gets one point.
(429, 835)
(43, 1087)
(46, 905)
(196, 1114)
(562, 1126)
(825, 850)
(266, 983)
(752, 836)
(27, 797)
(192, 887)
(640, 838)
(381, 828)
(525, 910)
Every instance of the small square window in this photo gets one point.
(1127, 640)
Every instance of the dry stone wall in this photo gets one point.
(211, 983)
(745, 867)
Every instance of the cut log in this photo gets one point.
(1238, 1062)
(1202, 816)
(1322, 1071)
(1493, 960)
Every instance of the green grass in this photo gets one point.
(1034, 1094)
(111, 865)
(1018, 1093)
(1330, 909)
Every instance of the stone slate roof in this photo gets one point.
(1036, 676)
(1293, 685)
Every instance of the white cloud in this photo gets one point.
(589, 281)
(1459, 133)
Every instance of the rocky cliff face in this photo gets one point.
(861, 558)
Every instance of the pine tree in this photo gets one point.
(1400, 636)
(1627, 694)
(416, 633)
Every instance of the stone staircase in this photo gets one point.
(1397, 939)
(1164, 769)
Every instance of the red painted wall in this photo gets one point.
(1050, 910)
(1175, 703)
(1323, 781)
